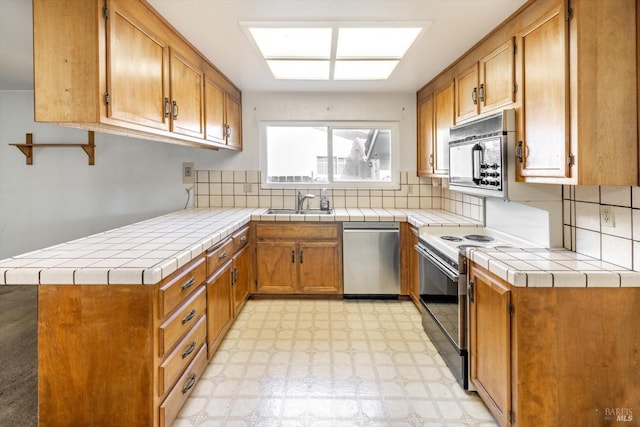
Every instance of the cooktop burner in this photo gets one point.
(452, 238)
(479, 238)
(463, 247)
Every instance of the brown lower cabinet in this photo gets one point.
(130, 355)
(296, 258)
(120, 354)
(554, 356)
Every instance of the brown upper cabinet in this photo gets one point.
(486, 85)
(132, 73)
(435, 117)
(222, 113)
(569, 68)
(577, 72)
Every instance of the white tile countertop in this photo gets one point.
(148, 251)
(551, 268)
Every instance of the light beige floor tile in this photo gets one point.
(330, 363)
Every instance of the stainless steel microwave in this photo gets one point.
(478, 152)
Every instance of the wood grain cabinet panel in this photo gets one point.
(552, 356)
(497, 78)
(571, 95)
(298, 258)
(131, 73)
(223, 113)
(444, 118)
(466, 93)
(100, 345)
(425, 150)
(136, 97)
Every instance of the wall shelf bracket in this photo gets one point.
(28, 146)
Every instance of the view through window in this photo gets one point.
(330, 155)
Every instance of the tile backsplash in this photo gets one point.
(616, 242)
(216, 188)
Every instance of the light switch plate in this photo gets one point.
(188, 173)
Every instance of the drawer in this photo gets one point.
(297, 231)
(240, 239)
(176, 362)
(182, 320)
(178, 286)
(171, 406)
(218, 255)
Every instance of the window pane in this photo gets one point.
(361, 154)
(297, 154)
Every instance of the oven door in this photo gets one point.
(440, 294)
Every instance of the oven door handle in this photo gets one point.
(444, 268)
(476, 163)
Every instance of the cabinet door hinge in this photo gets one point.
(107, 98)
(515, 49)
(569, 14)
(510, 309)
(570, 160)
(105, 12)
(510, 417)
(515, 88)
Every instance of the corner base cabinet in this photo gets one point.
(554, 356)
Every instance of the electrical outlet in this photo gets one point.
(248, 187)
(607, 217)
(188, 174)
(409, 189)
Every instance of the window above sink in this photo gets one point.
(329, 154)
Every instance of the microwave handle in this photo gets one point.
(476, 161)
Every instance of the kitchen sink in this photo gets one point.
(299, 212)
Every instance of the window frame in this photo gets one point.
(392, 126)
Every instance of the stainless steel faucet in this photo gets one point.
(301, 200)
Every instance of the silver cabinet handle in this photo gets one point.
(189, 283)
(189, 316)
(189, 384)
(189, 350)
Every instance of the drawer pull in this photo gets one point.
(223, 255)
(243, 239)
(189, 283)
(189, 316)
(189, 349)
(189, 384)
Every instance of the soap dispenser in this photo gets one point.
(324, 201)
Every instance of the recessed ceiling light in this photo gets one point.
(293, 42)
(381, 42)
(299, 69)
(364, 70)
(308, 51)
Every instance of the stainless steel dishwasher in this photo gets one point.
(371, 259)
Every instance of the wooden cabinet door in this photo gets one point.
(240, 279)
(443, 119)
(187, 97)
(318, 267)
(490, 342)
(276, 267)
(414, 265)
(466, 93)
(497, 78)
(136, 94)
(543, 93)
(214, 112)
(219, 310)
(425, 137)
(233, 122)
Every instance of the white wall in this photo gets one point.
(259, 106)
(61, 197)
